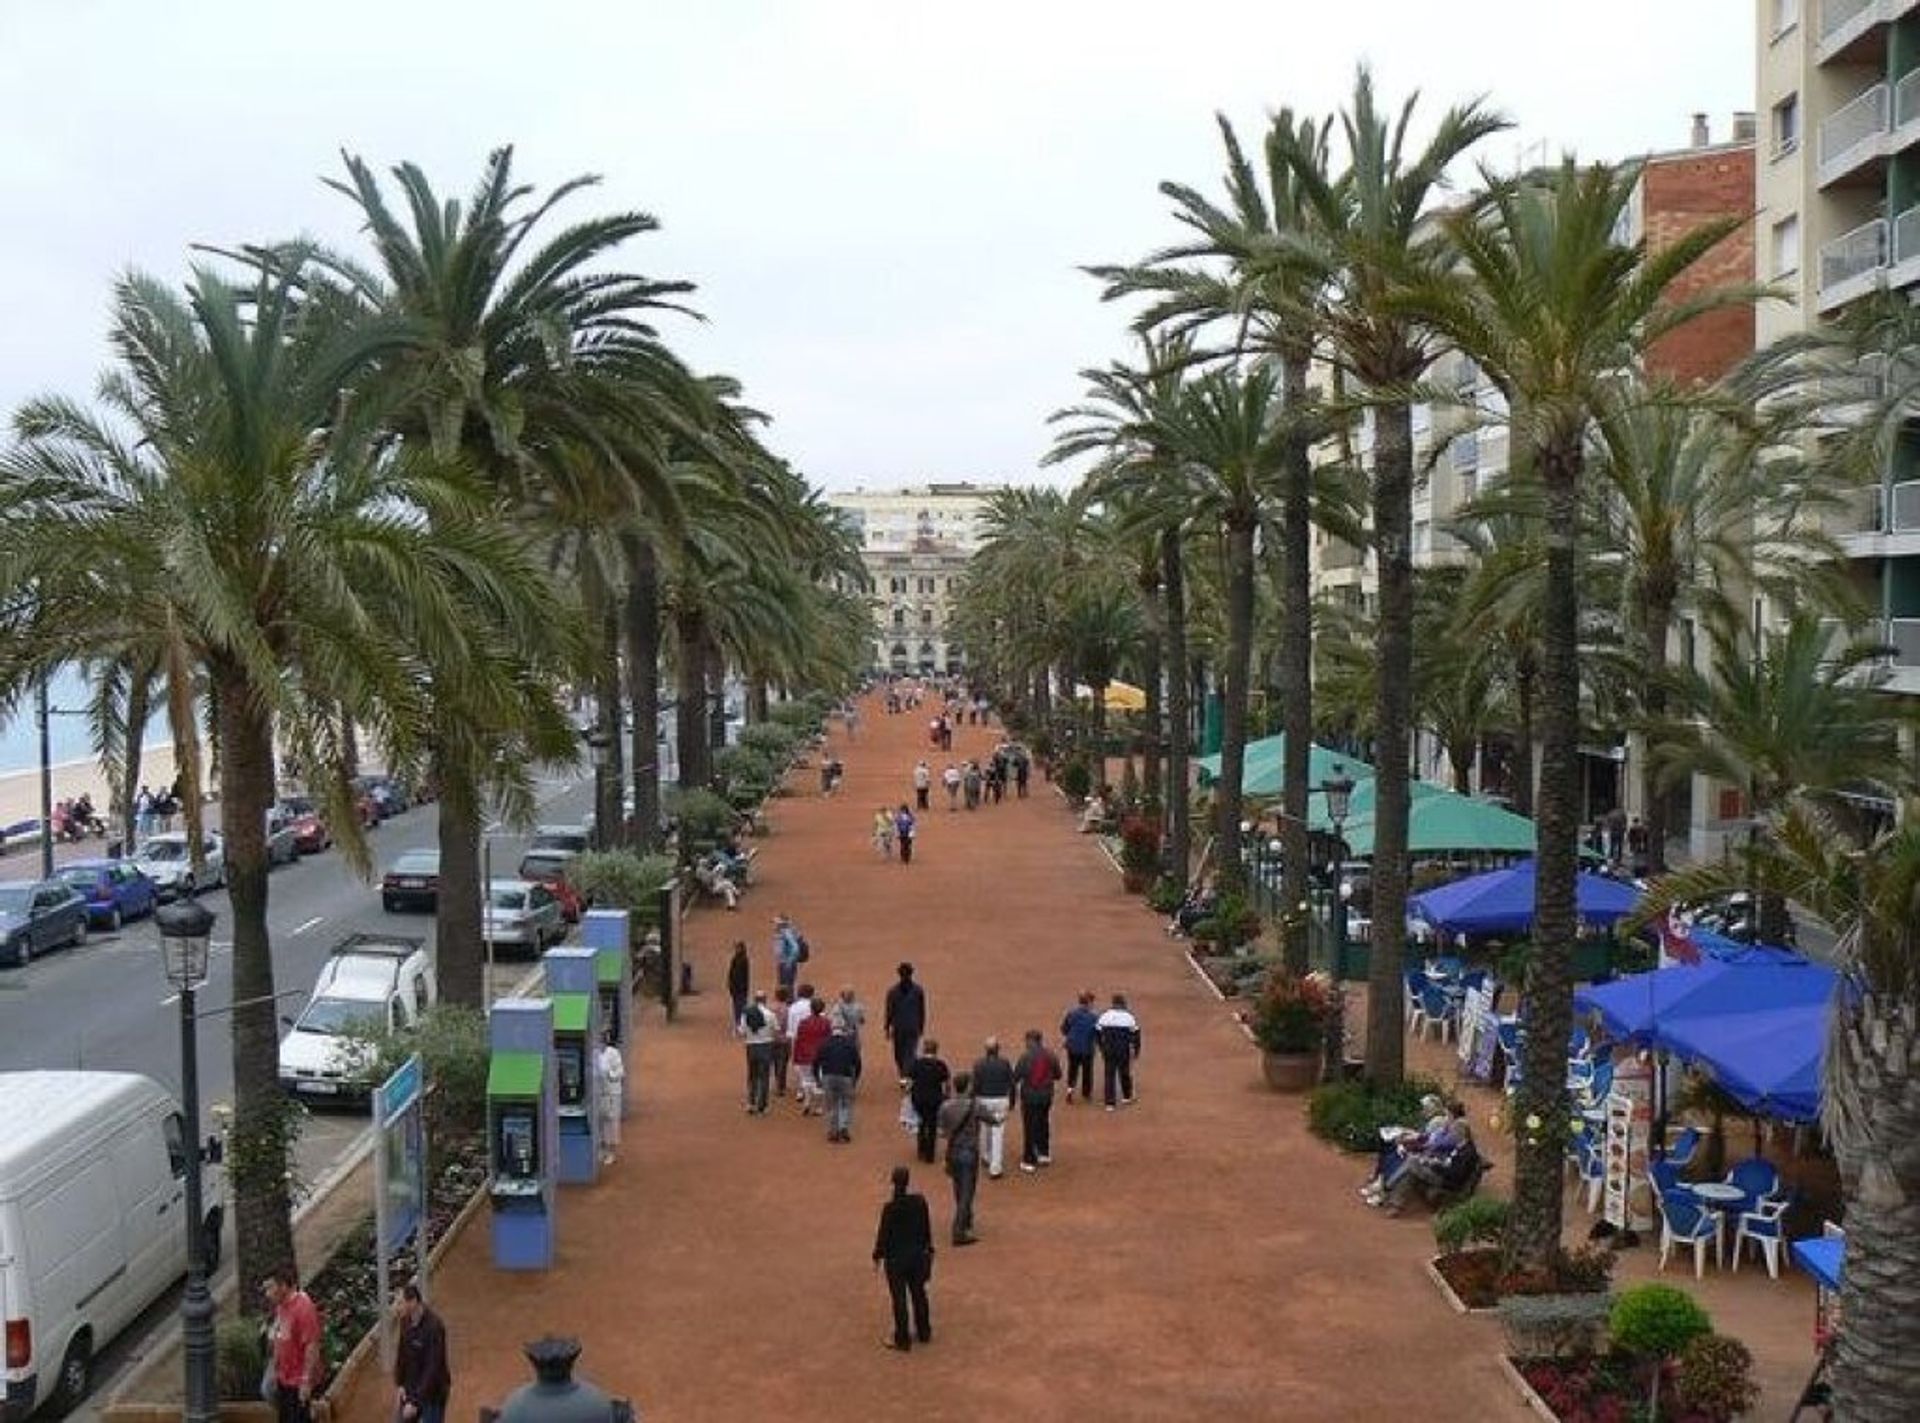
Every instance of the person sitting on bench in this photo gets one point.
(1448, 1163)
(716, 882)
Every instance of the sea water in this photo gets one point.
(70, 736)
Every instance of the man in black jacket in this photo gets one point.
(838, 1068)
(906, 1019)
(422, 1381)
(905, 1247)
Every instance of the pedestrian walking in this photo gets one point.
(838, 1068)
(904, 1018)
(993, 1090)
(757, 1030)
(1034, 1075)
(1119, 1046)
(739, 979)
(883, 832)
(790, 950)
(970, 782)
(1079, 1031)
(904, 1249)
(960, 1125)
(927, 1079)
(951, 778)
(810, 1034)
(293, 1346)
(922, 785)
(609, 1076)
(782, 1039)
(1022, 770)
(905, 829)
(422, 1382)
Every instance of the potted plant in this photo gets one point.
(1289, 1023)
(1139, 853)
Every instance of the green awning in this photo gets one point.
(1264, 770)
(607, 966)
(570, 1012)
(1440, 819)
(516, 1074)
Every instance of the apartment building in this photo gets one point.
(916, 543)
(1838, 190)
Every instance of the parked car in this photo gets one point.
(283, 841)
(92, 1182)
(574, 839)
(413, 882)
(165, 860)
(549, 867)
(37, 916)
(376, 979)
(522, 915)
(389, 795)
(310, 833)
(115, 890)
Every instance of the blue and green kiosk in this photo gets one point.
(573, 989)
(522, 1132)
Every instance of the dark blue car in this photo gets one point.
(113, 889)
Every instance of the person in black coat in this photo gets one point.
(927, 1078)
(906, 1019)
(904, 1247)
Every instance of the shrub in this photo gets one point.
(1233, 922)
(1076, 779)
(1139, 847)
(1293, 1012)
(239, 1359)
(1166, 895)
(799, 715)
(621, 879)
(1555, 1326)
(1350, 1114)
(744, 763)
(703, 817)
(1587, 1270)
(1129, 785)
(453, 1047)
(1474, 1221)
(1657, 1322)
(1715, 1378)
(771, 739)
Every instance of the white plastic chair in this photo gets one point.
(1687, 1220)
(1762, 1227)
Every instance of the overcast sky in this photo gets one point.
(884, 204)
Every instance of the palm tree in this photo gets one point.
(301, 571)
(526, 363)
(1370, 237)
(1870, 1109)
(1554, 312)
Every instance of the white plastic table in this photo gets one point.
(1723, 1197)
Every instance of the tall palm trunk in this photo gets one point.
(1658, 614)
(759, 699)
(349, 746)
(1873, 1071)
(716, 680)
(185, 727)
(1393, 717)
(1173, 588)
(258, 1157)
(1233, 721)
(1295, 677)
(1526, 681)
(690, 700)
(606, 694)
(1153, 743)
(459, 950)
(132, 749)
(643, 684)
(1460, 763)
(1534, 1230)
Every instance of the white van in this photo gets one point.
(92, 1230)
(382, 980)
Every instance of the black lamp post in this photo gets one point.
(185, 926)
(1338, 789)
(600, 748)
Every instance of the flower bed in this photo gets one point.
(1472, 1275)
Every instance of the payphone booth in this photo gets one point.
(522, 1133)
(605, 932)
(575, 995)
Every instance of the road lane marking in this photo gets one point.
(317, 919)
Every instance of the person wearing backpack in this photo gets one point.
(1036, 1072)
(789, 951)
(960, 1125)
(756, 1025)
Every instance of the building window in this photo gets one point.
(926, 586)
(899, 617)
(1786, 14)
(896, 585)
(926, 617)
(1786, 125)
(1786, 246)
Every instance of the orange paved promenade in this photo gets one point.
(1198, 1256)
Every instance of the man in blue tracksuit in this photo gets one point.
(1079, 1030)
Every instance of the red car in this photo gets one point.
(549, 868)
(310, 833)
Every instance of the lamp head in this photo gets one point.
(185, 927)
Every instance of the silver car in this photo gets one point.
(165, 860)
(521, 914)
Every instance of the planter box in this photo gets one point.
(1534, 1402)
(1290, 1071)
(1458, 1305)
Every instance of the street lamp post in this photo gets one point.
(1338, 789)
(600, 748)
(185, 927)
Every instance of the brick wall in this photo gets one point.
(1680, 191)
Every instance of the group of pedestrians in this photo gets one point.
(895, 829)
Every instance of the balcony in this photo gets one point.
(1903, 636)
(1905, 508)
(1850, 30)
(1853, 134)
(1839, 15)
(1851, 263)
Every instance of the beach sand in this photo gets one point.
(20, 790)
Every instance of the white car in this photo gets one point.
(374, 981)
(165, 860)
